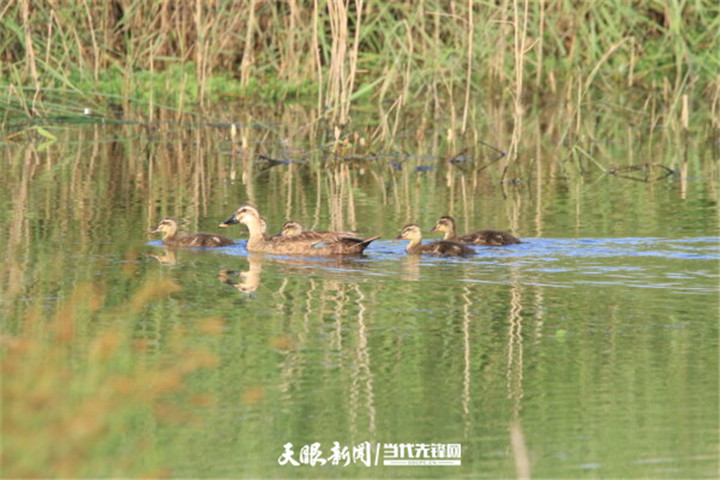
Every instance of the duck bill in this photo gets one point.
(399, 237)
(434, 229)
(153, 230)
(230, 221)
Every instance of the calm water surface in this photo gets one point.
(590, 350)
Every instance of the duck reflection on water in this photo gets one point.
(167, 257)
(249, 280)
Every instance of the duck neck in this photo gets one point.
(257, 239)
(170, 236)
(450, 233)
(413, 245)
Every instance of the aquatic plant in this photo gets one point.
(475, 58)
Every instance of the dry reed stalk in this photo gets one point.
(199, 49)
(248, 51)
(541, 35)
(408, 64)
(602, 61)
(631, 73)
(151, 101)
(289, 52)
(468, 77)
(315, 44)
(715, 106)
(578, 106)
(338, 53)
(520, 41)
(348, 87)
(96, 49)
(497, 63)
(30, 54)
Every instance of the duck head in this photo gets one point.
(291, 228)
(444, 224)
(411, 231)
(167, 225)
(243, 214)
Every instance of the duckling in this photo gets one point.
(293, 228)
(488, 238)
(441, 247)
(169, 227)
(289, 229)
(301, 244)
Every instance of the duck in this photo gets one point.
(488, 238)
(289, 229)
(293, 228)
(447, 248)
(305, 243)
(169, 227)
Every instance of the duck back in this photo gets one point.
(200, 240)
(489, 238)
(312, 246)
(442, 247)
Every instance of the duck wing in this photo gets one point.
(343, 245)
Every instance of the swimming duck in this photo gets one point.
(293, 228)
(440, 247)
(169, 227)
(488, 238)
(302, 244)
(289, 229)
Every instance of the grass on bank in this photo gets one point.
(469, 60)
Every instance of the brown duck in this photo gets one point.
(293, 228)
(169, 227)
(289, 229)
(488, 238)
(311, 244)
(441, 247)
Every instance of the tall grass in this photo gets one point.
(475, 59)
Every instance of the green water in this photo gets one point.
(590, 350)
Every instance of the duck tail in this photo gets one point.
(364, 244)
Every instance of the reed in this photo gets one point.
(573, 56)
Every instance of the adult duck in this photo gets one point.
(488, 238)
(305, 243)
(440, 247)
(169, 228)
